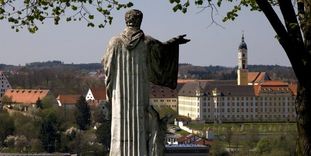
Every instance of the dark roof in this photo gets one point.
(162, 92)
(224, 87)
(243, 44)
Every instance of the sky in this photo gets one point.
(73, 42)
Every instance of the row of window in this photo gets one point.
(172, 106)
(165, 100)
(251, 110)
(6, 86)
(267, 104)
(250, 116)
(270, 103)
(250, 98)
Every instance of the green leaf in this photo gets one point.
(2, 11)
(199, 2)
(90, 25)
(129, 4)
(91, 16)
(32, 29)
(187, 4)
(74, 8)
(219, 3)
(177, 7)
(101, 26)
(110, 19)
(184, 10)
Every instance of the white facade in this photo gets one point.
(164, 102)
(4, 85)
(218, 108)
(89, 95)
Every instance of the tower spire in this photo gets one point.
(243, 44)
(242, 63)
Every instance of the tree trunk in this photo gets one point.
(298, 51)
(303, 109)
(303, 103)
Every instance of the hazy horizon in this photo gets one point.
(67, 63)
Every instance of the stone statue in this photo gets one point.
(131, 61)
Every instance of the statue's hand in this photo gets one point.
(180, 39)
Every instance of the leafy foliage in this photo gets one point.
(29, 13)
(183, 5)
(103, 134)
(6, 126)
(83, 114)
(39, 104)
(6, 100)
(48, 131)
(218, 149)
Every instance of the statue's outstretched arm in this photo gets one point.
(179, 39)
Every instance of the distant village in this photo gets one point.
(252, 98)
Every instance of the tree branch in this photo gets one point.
(291, 22)
(289, 47)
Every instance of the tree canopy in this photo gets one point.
(30, 13)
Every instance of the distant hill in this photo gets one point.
(55, 75)
(275, 72)
(186, 71)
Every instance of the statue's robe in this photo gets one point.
(131, 61)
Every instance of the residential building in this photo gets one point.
(23, 99)
(163, 97)
(4, 85)
(67, 101)
(95, 96)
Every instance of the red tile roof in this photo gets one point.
(274, 83)
(26, 96)
(257, 89)
(202, 141)
(294, 88)
(68, 99)
(99, 93)
(256, 77)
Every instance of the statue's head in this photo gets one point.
(133, 18)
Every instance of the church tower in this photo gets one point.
(242, 63)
